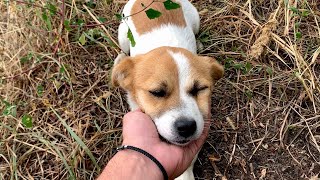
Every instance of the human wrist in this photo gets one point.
(128, 164)
(156, 150)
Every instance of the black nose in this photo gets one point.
(185, 127)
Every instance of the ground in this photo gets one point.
(61, 118)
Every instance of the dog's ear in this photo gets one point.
(216, 68)
(122, 72)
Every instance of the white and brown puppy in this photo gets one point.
(163, 75)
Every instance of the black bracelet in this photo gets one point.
(164, 172)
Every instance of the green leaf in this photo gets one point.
(26, 58)
(249, 94)
(247, 67)
(9, 109)
(269, 71)
(82, 39)
(27, 121)
(131, 38)
(47, 20)
(40, 90)
(91, 4)
(6, 103)
(238, 66)
(52, 8)
(298, 35)
(90, 32)
(152, 13)
(102, 19)
(118, 16)
(295, 10)
(168, 4)
(62, 70)
(305, 13)
(80, 22)
(66, 24)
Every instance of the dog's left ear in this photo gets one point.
(217, 70)
(122, 72)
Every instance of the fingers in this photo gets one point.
(136, 123)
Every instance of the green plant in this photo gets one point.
(10, 109)
(244, 67)
(301, 13)
(27, 121)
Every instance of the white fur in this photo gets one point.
(166, 35)
(188, 106)
(174, 36)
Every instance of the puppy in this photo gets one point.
(163, 75)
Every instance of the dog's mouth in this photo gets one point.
(179, 143)
(182, 143)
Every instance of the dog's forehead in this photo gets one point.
(164, 63)
(156, 65)
(170, 65)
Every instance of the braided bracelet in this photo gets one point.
(165, 175)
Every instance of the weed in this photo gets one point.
(60, 117)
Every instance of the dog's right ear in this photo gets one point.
(122, 72)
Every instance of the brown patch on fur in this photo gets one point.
(143, 24)
(145, 74)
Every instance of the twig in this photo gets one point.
(103, 27)
(141, 9)
(94, 25)
(32, 4)
(62, 27)
(23, 72)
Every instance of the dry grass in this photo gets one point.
(266, 108)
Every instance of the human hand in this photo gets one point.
(140, 131)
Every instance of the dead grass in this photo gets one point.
(266, 108)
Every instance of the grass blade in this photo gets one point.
(79, 141)
(49, 144)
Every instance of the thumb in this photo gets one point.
(136, 123)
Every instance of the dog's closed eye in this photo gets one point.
(197, 88)
(158, 93)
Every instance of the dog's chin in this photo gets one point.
(178, 143)
(181, 143)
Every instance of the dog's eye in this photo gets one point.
(158, 93)
(195, 90)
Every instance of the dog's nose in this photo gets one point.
(185, 127)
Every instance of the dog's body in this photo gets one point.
(164, 77)
(174, 28)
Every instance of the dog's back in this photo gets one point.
(174, 27)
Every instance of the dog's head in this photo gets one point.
(172, 86)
